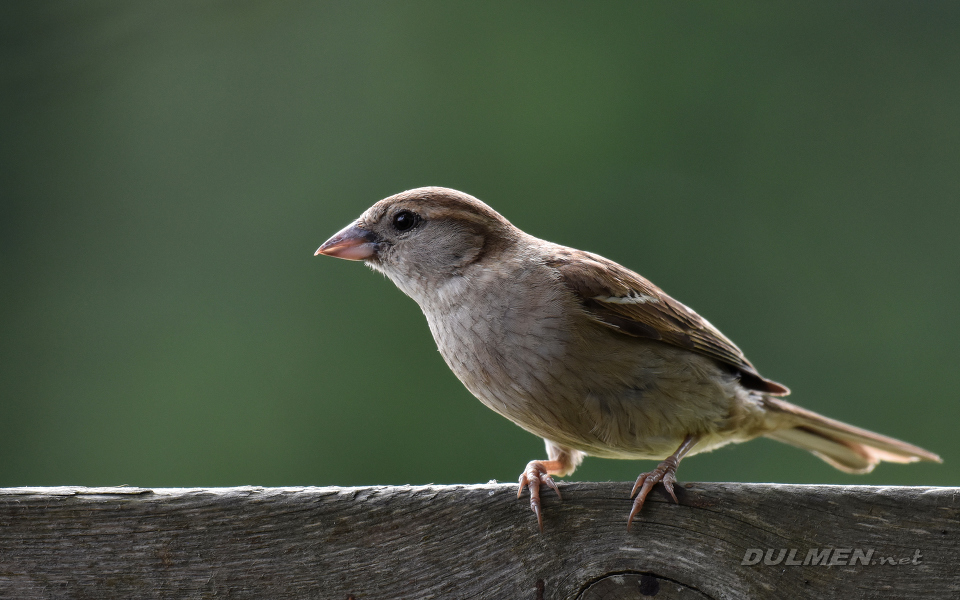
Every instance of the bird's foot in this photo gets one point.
(665, 473)
(535, 474)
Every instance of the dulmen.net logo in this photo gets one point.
(825, 557)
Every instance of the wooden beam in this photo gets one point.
(479, 541)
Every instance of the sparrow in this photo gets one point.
(581, 351)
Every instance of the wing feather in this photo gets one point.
(616, 297)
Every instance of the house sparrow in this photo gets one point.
(581, 351)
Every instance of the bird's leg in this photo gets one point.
(563, 461)
(537, 472)
(665, 473)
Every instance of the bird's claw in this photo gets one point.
(535, 474)
(665, 473)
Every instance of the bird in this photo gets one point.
(581, 351)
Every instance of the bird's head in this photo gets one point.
(423, 237)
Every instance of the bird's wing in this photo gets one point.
(620, 299)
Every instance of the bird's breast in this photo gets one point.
(508, 348)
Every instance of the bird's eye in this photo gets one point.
(404, 220)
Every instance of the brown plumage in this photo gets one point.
(581, 351)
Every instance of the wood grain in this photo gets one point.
(477, 541)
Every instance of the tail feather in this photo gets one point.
(843, 446)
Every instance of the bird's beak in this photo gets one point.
(351, 242)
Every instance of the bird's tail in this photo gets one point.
(843, 446)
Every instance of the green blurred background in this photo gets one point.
(167, 170)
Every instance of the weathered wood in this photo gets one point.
(477, 541)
